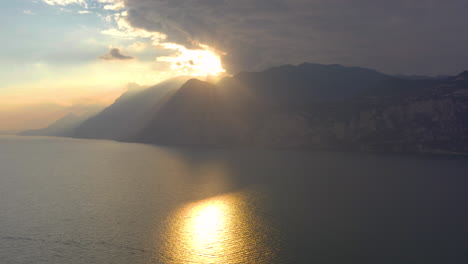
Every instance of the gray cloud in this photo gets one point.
(115, 54)
(399, 36)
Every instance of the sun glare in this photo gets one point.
(220, 229)
(200, 62)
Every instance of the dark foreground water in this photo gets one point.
(86, 201)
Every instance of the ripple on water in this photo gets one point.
(221, 229)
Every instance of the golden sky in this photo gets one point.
(65, 55)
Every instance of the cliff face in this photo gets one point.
(202, 114)
(417, 124)
(435, 120)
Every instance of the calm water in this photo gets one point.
(85, 201)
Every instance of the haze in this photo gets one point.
(233, 131)
(61, 56)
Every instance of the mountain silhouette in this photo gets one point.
(462, 76)
(128, 114)
(305, 106)
(195, 115)
(309, 82)
(62, 127)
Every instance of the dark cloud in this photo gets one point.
(115, 54)
(405, 36)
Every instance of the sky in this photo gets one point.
(59, 56)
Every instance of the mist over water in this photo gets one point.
(91, 201)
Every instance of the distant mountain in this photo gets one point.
(317, 106)
(128, 114)
(305, 106)
(61, 127)
(8, 132)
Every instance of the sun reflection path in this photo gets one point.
(217, 230)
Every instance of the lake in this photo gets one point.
(92, 201)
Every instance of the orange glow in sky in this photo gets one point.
(200, 62)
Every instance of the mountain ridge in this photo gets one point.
(62, 127)
(128, 113)
(303, 106)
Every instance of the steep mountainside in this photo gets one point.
(128, 114)
(197, 114)
(305, 106)
(392, 115)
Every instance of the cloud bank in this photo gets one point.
(424, 36)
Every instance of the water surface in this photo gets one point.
(90, 201)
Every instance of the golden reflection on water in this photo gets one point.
(221, 229)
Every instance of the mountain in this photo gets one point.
(61, 127)
(253, 107)
(8, 132)
(197, 114)
(317, 106)
(462, 77)
(305, 106)
(128, 114)
(309, 82)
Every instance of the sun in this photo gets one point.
(196, 62)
